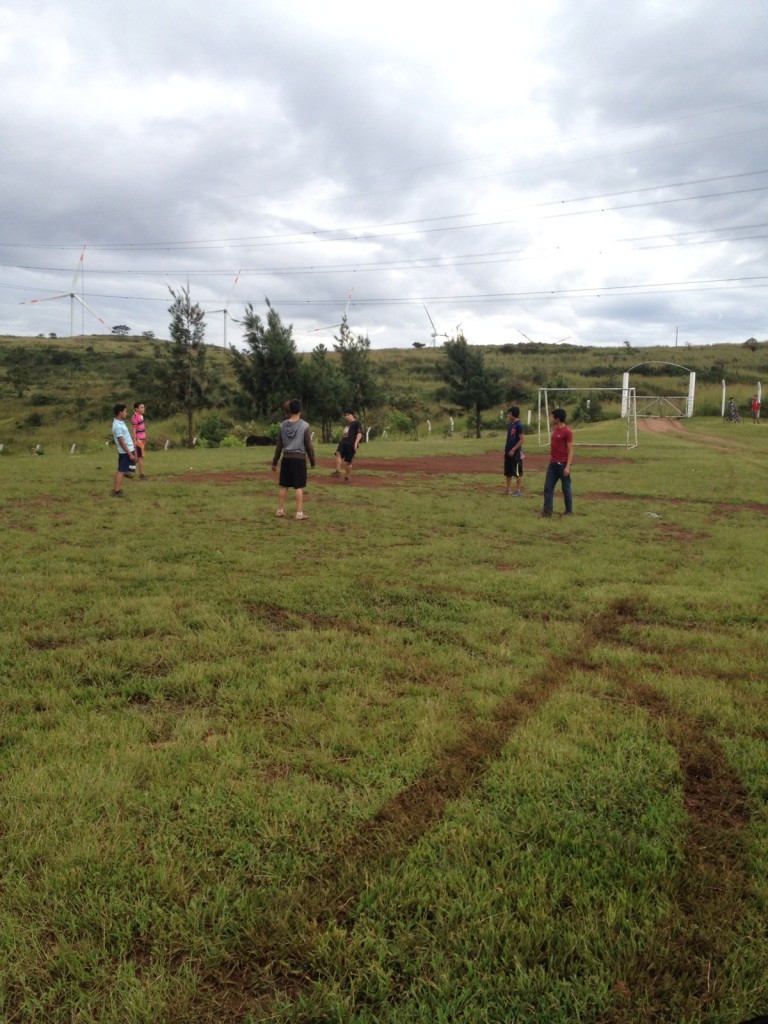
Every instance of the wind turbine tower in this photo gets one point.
(226, 314)
(435, 333)
(72, 296)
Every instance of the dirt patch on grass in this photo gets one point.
(376, 473)
(670, 426)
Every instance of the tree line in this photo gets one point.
(268, 369)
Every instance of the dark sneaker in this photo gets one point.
(117, 494)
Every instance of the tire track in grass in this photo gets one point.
(713, 892)
(680, 972)
(279, 964)
(283, 957)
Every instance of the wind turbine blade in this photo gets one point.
(430, 319)
(78, 268)
(525, 336)
(566, 338)
(329, 327)
(349, 299)
(31, 302)
(231, 290)
(85, 305)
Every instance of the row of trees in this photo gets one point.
(268, 370)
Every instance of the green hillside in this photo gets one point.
(61, 391)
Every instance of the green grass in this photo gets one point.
(426, 757)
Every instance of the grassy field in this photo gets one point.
(423, 759)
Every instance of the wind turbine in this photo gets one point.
(72, 296)
(558, 342)
(435, 333)
(225, 311)
(331, 327)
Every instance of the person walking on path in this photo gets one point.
(350, 442)
(513, 453)
(139, 434)
(559, 468)
(126, 456)
(294, 444)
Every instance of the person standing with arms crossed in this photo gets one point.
(139, 434)
(559, 468)
(350, 442)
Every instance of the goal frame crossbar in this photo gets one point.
(628, 415)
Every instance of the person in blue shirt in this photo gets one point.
(513, 453)
(126, 454)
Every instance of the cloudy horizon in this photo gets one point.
(589, 173)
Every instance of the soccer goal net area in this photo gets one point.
(599, 417)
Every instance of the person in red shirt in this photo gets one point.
(559, 468)
(755, 409)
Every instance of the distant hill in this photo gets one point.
(63, 389)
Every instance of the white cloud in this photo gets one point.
(571, 170)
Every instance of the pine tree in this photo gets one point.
(268, 372)
(363, 391)
(470, 384)
(184, 382)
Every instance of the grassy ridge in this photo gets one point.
(75, 382)
(423, 758)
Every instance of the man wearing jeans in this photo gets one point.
(559, 468)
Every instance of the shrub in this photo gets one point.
(588, 410)
(231, 442)
(213, 429)
(33, 420)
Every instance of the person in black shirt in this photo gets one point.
(350, 442)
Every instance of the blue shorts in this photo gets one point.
(124, 464)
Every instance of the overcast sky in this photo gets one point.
(578, 169)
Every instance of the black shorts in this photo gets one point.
(125, 464)
(293, 473)
(347, 452)
(513, 466)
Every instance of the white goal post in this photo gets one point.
(624, 400)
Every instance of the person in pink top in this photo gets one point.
(559, 468)
(755, 409)
(139, 435)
